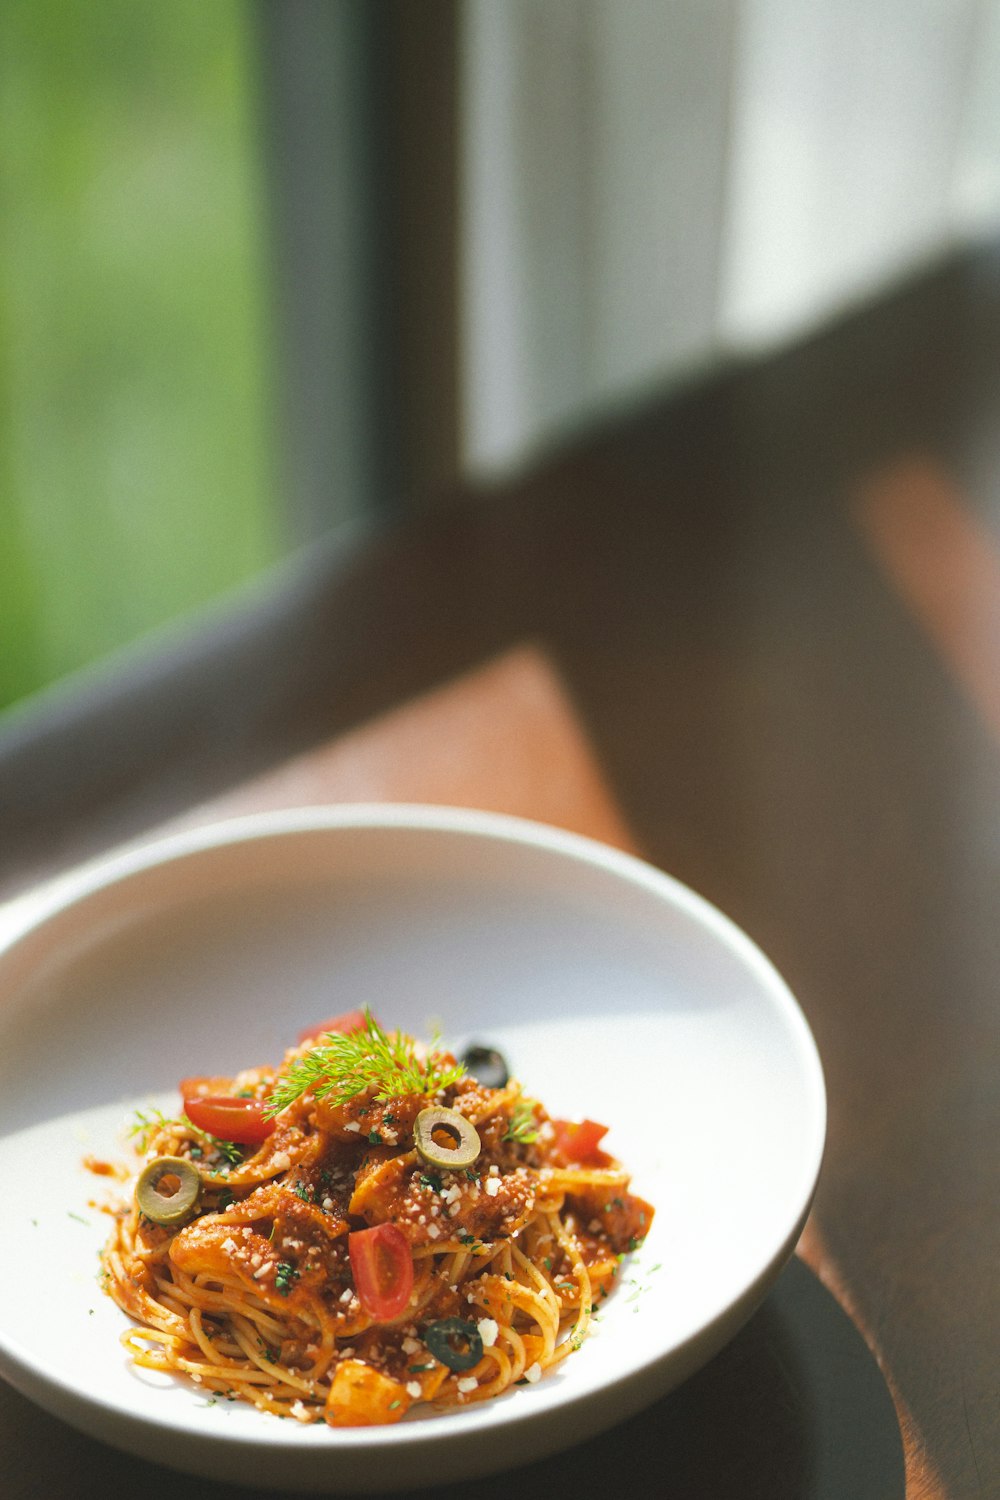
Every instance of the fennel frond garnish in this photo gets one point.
(522, 1125)
(360, 1061)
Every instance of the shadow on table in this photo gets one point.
(795, 1408)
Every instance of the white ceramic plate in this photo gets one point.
(614, 992)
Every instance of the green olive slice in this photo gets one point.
(168, 1189)
(445, 1138)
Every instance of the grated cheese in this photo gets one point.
(488, 1330)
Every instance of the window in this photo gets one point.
(135, 428)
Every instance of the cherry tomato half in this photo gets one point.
(229, 1118)
(351, 1020)
(580, 1142)
(197, 1088)
(382, 1263)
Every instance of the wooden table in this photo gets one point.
(752, 631)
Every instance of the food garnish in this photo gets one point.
(345, 1064)
(522, 1125)
(168, 1189)
(445, 1138)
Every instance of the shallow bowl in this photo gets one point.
(614, 992)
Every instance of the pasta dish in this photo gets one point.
(370, 1226)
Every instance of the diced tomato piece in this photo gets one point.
(229, 1118)
(351, 1020)
(579, 1142)
(382, 1263)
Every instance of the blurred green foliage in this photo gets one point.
(135, 442)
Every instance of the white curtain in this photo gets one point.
(650, 185)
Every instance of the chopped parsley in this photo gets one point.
(285, 1277)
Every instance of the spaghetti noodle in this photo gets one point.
(360, 1251)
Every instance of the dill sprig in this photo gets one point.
(146, 1126)
(522, 1125)
(354, 1063)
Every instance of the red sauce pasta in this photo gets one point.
(376, 1229)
